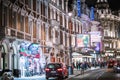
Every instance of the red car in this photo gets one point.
(58, 70)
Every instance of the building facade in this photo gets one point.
(41, 31)
(35, 31)
(110, 24)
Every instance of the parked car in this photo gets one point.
(116, 67)
(58, 70)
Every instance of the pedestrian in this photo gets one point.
(82, 67)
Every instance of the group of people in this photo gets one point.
(81, 65)
(85, 65)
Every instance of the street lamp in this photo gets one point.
(70, 51)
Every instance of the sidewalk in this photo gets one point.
(42, 77)
(37, 77)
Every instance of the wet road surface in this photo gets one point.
(101, 74)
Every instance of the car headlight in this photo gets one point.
(118, 67)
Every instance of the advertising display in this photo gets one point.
(83, 40)
(95, 36)
(32, 60)
(96, 40)
(79, 7)
(92, 13)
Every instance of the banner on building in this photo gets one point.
(79, 8)
(83, 40)
(92, 13)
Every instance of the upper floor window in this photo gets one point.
(38, 31)
(43, 8)
(4, 15)
(22, 1)
(30, 4)
(14, 20)
(22, 23)
(60, 3)
(38, 6)
(34, 5)
(30, 25)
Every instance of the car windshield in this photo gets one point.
(54, 66)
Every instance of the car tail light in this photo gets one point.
(64, 68)
(47, 69)
(60, 69)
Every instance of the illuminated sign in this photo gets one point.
(95, 36)
(30, 49)
(83, 40)
(78, 8)
(92, 13)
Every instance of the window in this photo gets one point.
(29, 3)
(43, 31)
(61, 21)
(60, 3)
(61, 37)
(38, 6)
(50, 34)
(65, 5)
(26, 2)
(4, 19)
(30, 25)
(34, 29)
(21, 23)
(23, 1)
(43, 8)
(38, 30)
(34, 5)
(46, 31)
(49, 12)
(14, 20)
(54, 65)
(26, 24)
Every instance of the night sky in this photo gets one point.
(114, 4)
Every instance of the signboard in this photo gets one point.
(30, 49)
(97, 46)
(83, 40)
(92, 13)
(95, 36)
(79, 8)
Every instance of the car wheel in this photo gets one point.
(60, 78)
(67, 76)
(47, 78)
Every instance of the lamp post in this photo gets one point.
(70, 61)
(70, 48)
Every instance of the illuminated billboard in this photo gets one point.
(83, 40)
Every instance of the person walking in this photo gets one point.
(82, 67)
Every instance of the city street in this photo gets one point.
(56, 39)
(100, 74)
(42, 77)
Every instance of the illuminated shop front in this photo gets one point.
(32, 60)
